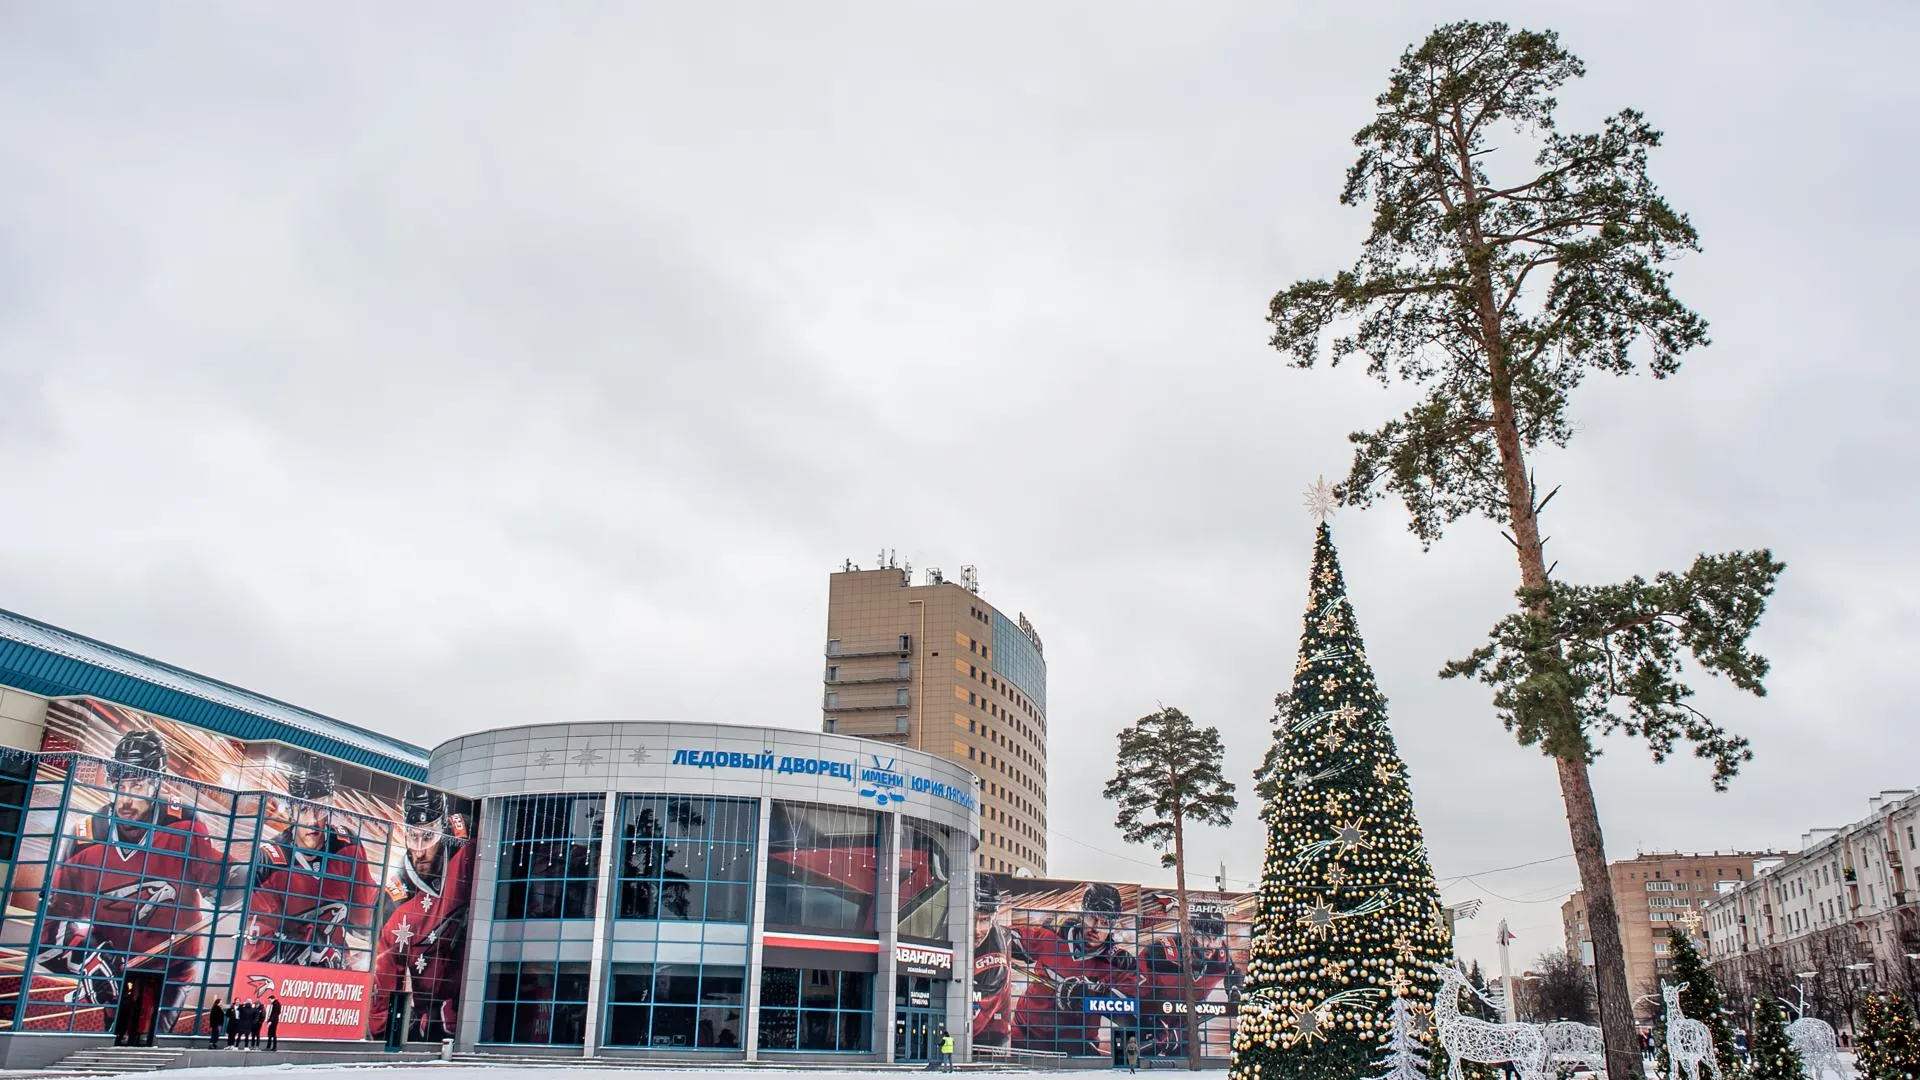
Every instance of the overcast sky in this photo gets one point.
(443, 366)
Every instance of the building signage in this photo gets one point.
(315, 1003)
(919, 999)
(923, 960)
(1112, 1006)
(879, 780)
(1204, 1008)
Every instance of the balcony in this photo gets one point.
(871, 680)
(902, 647)
(868, 706)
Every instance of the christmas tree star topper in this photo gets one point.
(1321, 501)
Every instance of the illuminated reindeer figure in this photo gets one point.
(1819, 1049)
(1569, 1042)
(1688, 1041)
(1467, 1039)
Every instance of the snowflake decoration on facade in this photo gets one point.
(545, 760)
(587, 758)
(640, 756)
(1321, 501)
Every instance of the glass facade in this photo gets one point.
(536, 1002)
(924, 881)
(676, 1006)
(549, 857)
(822, 866)
(805, 1009)
(686, 858)
(1017, 660)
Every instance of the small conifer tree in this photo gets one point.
(1771, 1055)
(1888, 1043)
(1700, 998)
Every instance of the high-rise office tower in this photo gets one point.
(936, 668)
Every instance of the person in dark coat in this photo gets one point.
(273, 1023)
(216, 1020)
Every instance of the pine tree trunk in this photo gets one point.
(1184, 954)
(1576, 786)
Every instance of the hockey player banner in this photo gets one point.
(156, 847)
(1075, 967)
(314, 1003)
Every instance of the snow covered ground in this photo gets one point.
(435, 1070)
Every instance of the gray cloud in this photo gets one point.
(447, 367)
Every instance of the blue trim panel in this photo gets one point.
(48, 674)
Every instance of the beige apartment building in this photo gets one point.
(1655, 893)
(1825, 923)
(936, 668)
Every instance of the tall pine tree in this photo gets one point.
(1700, 998)
(1349, 917)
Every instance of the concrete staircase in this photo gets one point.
(114, 1060)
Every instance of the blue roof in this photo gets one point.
(52, 662)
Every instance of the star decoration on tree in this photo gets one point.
(1383, 772)
(1300, 781)
(1691, 920)
(1330, 623)
(1321, 502)
(587, 758)
(1440, 921)
(639, 756)
(1403, 949)
(1348, 716)
(1336, 876)
(1329, 684)
(1328, 577)
(1400, 984)
(1319, 920)
(1331, 969)
(1306, 1026)
(1349, 837)
(1332, 740)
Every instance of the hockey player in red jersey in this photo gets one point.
(130, 889)
(423, 935)
(1162, 1006)
(1069, 963)
(992, 990)
(313, 886)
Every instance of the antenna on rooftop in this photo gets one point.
(970, 578)
(934, 577)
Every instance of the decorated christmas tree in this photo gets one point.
(1888, 1044)
(1348, 916)
(1700, 993)
(1771, 1055)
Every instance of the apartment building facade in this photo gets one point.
(1653, 894)
(1823, 924)
(935, 668)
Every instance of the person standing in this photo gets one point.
(946, 1050)
(216, 1020)
(1133, 1054)
(253, 1023)
(273, 1023)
